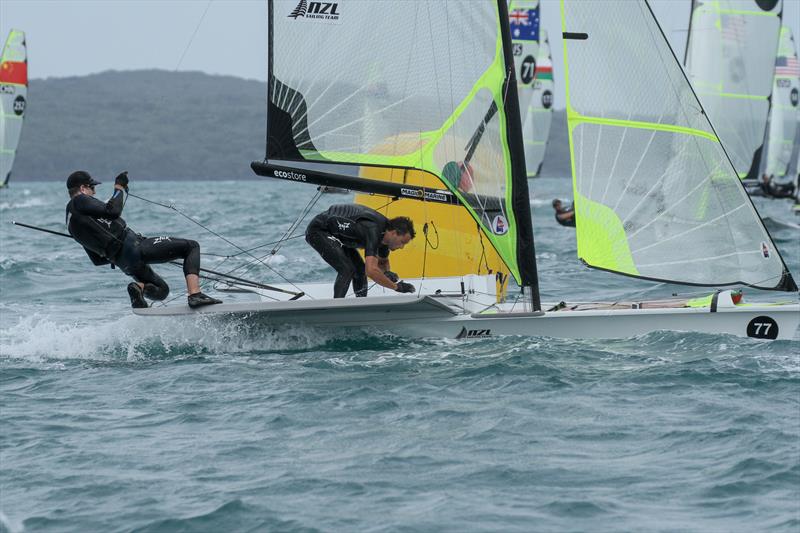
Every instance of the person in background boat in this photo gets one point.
(564, 215)
(337, 233)
(771, 189)
(107, 239)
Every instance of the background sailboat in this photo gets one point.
(784, 120)
(534, 69)
(541, 109)
(729, 60)
(13, 94)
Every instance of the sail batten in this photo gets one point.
(654, 189)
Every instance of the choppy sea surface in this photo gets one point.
(112, 422)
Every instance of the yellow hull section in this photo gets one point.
(454, 245)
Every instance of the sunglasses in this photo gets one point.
(89, 186)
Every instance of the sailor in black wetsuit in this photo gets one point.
(773, 189)
(102, 232)
(336, 234)
(564, 215)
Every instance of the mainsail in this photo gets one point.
(427, 112)
(730, 55)
(785, 116)
(656, 196)
(541, 109)
(13, 92)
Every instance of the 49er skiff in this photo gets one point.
(425, 122)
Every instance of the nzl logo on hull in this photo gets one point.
(328, 11)
(474, 333)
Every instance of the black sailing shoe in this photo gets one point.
(137, 296)
(199, 299)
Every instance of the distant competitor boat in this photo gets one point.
(784, 123)
(13, 94)
(655, 193)
(730, 58)
(534, 66)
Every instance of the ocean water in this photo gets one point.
(111, 422)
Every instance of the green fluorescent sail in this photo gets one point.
(655, 194)
(785, 112)
(729, 60)
(423, 94)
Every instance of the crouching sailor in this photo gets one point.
(565, 215)
(339, 231)
(102, 232)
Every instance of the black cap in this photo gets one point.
(80, 177)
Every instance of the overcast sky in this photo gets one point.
(79, 37)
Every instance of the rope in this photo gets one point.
(172, 206)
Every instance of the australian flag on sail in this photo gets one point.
(524, 24)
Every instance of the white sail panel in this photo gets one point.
(541, 109)
(655, 194)
(13, 95)
(785, 114)
(729, 60)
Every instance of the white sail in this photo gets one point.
(655, 193)
(729, 60)
(13, 94)
(785, 112)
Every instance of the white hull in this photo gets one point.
(427, 316)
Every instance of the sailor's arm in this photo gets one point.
(375, 272)
(97, 260)
(86, 205)
(383, 264)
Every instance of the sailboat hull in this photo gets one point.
(427, 316)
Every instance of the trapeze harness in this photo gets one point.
(337, 233)
(105, 236)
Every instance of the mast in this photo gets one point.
(526, 252)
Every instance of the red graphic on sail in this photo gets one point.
(15, 72)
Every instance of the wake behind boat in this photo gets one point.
(656, 195)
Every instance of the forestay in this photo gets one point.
(785, 116)
(430, 93)
(655, 194)
(13, 94)
(730, 55)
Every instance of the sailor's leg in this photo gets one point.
(360, 285)
(332, 251)
(155, 288)
(164, 249)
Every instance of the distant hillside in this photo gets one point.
(158, 124)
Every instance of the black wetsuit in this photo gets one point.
(102, 232)
(338, 232)
(778, 190)
(570, 222)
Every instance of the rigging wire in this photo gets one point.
(172, 207)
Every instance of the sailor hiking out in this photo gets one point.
(565, 215)
(337, 233)
(105, 236)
